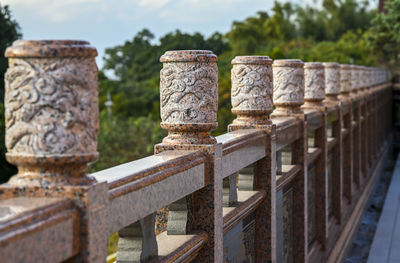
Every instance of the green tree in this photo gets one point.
(254, 33)
(135, 93)
(385, 36)
(334, 19)
(124, 140)
(336, 31)
(9, 31)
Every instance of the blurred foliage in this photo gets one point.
(385, 35)
(9, 31)
(125, 139)
(346, 31)
(338, 31)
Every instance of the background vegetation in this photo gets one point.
(345, 31)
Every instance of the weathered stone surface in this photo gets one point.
(252, 85)
(314, 81)
(354, 78)
(251, 92)
(345, 78)
(288, 82)
(332, 78)
(288, 92)
(51, 109)
(51, 106)
(189, 96)
(137, 242)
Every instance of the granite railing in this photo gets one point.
(287, 183)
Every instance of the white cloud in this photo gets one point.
(36, 2)
(53, 11)
(107, 23)
(153, 4)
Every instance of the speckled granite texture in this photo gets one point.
(251, 93)
(189, 96)
(51, 111)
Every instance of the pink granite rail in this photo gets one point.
(287, 182)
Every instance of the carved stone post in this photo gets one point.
(355, 81)
(189, 104)
(189, 97)
(332, 81)
(251, 92)
(332, 90)
(345, 81)
(51, 111)
(356, 130)
(345, 89)
(51, 133)
(363, 78)
(252, 103)
(314, 84)
(288, 94)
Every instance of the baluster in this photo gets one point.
(332, 82)
(251, 97)
(364, 121)
(347, 157)
(137, 242)
(355, 81)
(314, 85)
(332, 91)
(252, 103)
(288, 96)
(230, 190)
(189, 104)
(51, 132)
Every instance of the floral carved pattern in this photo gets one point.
(288, 85)
(252, 87)
(189, 92)
(314, 80)
(51, 106)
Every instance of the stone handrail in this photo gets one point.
(286, 183)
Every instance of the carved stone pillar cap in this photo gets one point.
(257, 60)
(354, 78)
(251, 93)
(50, 48)
(331, 65)
(332, 78)
(288, 75)
(345, 66)
(51, 111)
(345, 78)
(288, 63)
(313, 65)
(189, 96)
(314, 81)
(204, 56)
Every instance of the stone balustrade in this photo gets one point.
(284, 184)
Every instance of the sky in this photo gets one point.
(107, 23)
